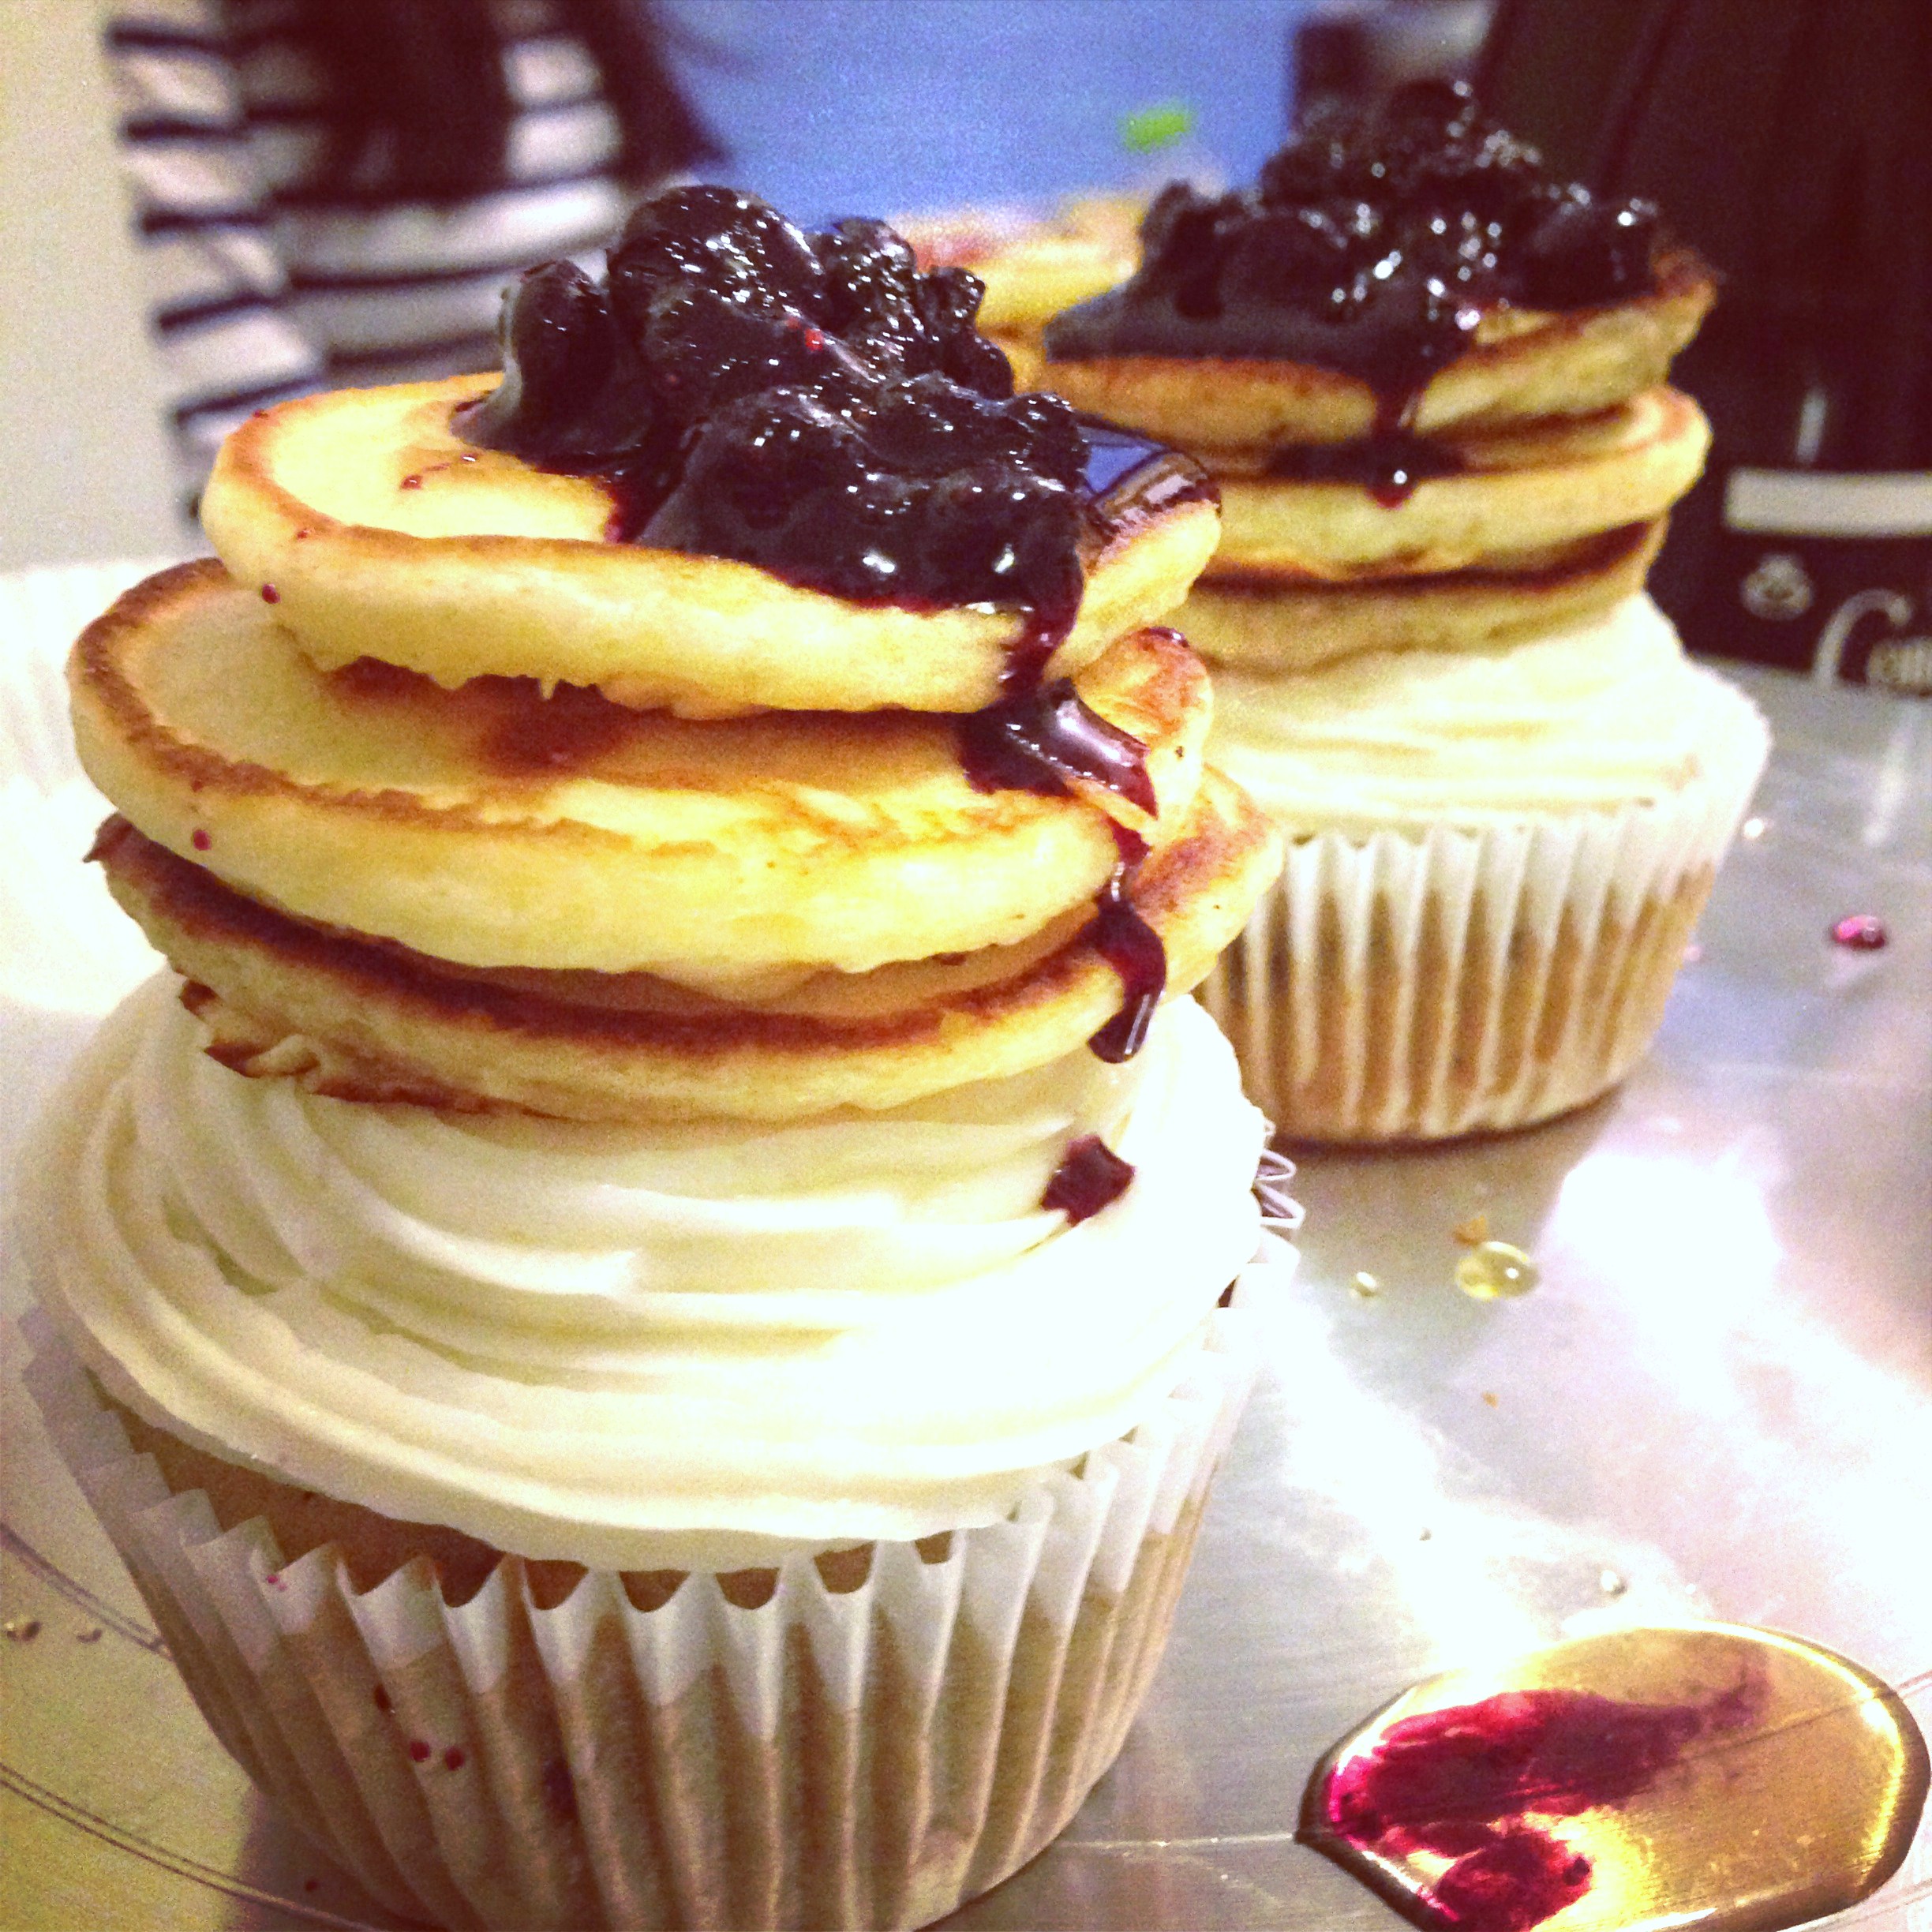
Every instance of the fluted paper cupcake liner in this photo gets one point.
(832, 1756)
(1415, 986)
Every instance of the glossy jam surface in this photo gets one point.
(1371, 244)
(1090, 1177)
(1388, 466)
(1465, 1783)
(1133, 949)
(809, 403)
(1641, 1779)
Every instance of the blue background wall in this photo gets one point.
(901, 107)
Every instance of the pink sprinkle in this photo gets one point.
(300, 534)
(454, 1758)
(1861, 932)
(412, 482)
(813, 339)
(200, 840)
(270, 594)
(418, 1749)
(274, 1580)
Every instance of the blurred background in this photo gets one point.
(185, 233)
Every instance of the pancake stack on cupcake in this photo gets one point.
(652, 1307)
(1430, 381)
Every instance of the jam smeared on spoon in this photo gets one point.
(1373, 244)
(1091, 1176)
(1720, 1776)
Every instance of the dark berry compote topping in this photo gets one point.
(1373, 244)
(813, 404)
(808, 402)
(1091, 1177)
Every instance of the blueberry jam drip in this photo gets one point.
(1371, 245)
(1133, 949)
(1038, 736)
(1389, 467)
(1037, 743)
(808, 402)
(1476, 1784)
(1091, 1176)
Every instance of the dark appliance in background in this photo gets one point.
(1792, 142)
(1346, 52)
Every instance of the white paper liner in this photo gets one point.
(1415, 986)
(871, 1756)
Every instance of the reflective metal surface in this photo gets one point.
(1716, 1401)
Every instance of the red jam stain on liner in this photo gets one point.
(1786, 1783)
(1090, 1177)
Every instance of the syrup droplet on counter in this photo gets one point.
(1611, 1583)
(1363, 1286)
(1704, 1774)
(21, 1630)
(1133, 949)
(1493, 1271)
(1860, 931)
(1091, 1176)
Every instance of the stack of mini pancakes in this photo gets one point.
(1505, 789)
(1527, 488)
(385, 812)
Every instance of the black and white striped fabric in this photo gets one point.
(262, 288)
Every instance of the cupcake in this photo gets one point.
(1429, 379)
(652, 1302)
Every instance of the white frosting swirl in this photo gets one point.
(1604, 714)
(640, 1345)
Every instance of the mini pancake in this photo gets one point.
(1525, 491)
(1290, 625)
(1525, 365)
(377, 531)
(1032, 269)
(490, 826)
(288, 999)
